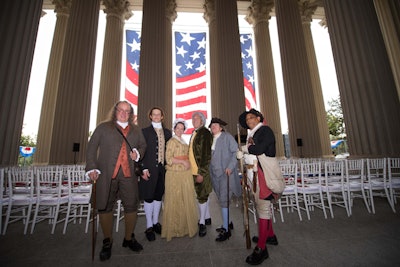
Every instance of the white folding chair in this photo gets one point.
(354, 177)
(51, 199)
(334, 186)
(376, 183)
(310, 187)
(4, 195)
(21, 196)
(394, 179)
(289, 198)
(79, 193)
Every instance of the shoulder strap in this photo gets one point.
(126, 140)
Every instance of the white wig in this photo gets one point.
(203, 118)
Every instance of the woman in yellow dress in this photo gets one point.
(180, 213)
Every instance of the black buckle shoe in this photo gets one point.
(132, 244)
(208, 221)
(258, 256)
(272, 240)
(151, 236)
(223, 235)
(105, 252)
(202, 230)
(230, 225)
(157, 228)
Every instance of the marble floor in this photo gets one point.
(360, 240)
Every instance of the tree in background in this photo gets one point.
(334, 117)
(26, 141)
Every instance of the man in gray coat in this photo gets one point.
(112, 151)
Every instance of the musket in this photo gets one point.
(244, 196)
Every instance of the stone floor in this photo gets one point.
(360, 240)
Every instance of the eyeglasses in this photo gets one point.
(250, 118)
(124, 111)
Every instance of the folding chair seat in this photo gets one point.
(334, 186)
(21, 196)
(51, 200)
(310, 187)
(394, 179)
(79, 194)
(376, 183)
(289, 198)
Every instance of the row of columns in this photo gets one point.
(66, 105)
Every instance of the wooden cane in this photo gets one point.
(94, 219)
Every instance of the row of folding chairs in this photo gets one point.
(323, 184)
(58, 194)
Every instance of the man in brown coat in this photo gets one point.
(112, 151)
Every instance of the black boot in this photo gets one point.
(221, 228)
(223, 235)
(202, 230)
(157, 228)
(132, 244)
(151, 236)
(258, 256)
(105, 252)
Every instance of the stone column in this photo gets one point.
(72, 114)
(258, 16)
(307, 9)
(110, 79)
(227, 89)
(388, 12)
(155, 79)
(304, 135)
(62, 8)
(368, 92)
(18, 30)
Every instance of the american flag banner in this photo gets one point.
(132, 67)
(191, 80)
(246, 43)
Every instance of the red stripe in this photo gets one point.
(195, 100)
(191, 89)
(190, 77)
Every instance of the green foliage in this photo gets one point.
(30, 141)
(334, 117)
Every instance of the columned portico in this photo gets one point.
(110, 80)
(19, 27)
(227, 93)
(72, 113)
(304, 134)
(258, 16)
(62, 8)
(368, 92)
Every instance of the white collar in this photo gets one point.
(156, 125)
(252, 131)
(123, 124)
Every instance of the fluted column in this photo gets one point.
(18, 30)
(258, 16)
(367, 89)
(110, 80)
(155, 79)
(307, 9)
(226, 63)
(72, 114)
(62, 9)
(305, 139)
(388, 12)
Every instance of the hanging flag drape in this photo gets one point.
(190, 69)
(132, 68)
(246, 43)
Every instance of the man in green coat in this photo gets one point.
(200, 157)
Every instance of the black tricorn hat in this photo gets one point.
(242, 117)
(217, 120)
